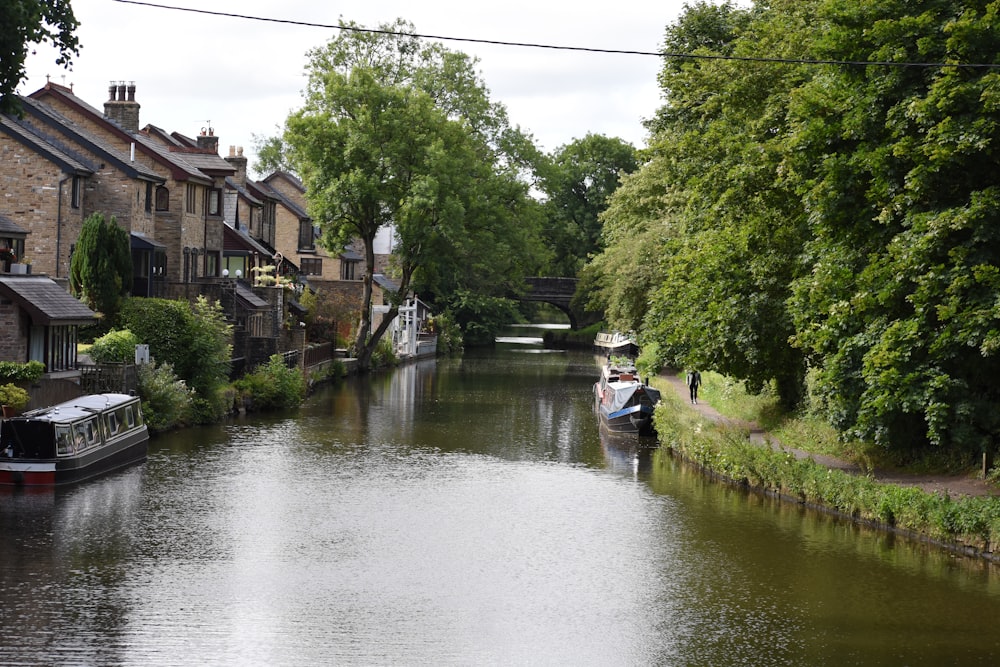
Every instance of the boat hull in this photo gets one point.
(113, 443)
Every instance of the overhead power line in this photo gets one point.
(530, 45)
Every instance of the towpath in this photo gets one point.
(953, 485)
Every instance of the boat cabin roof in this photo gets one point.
(78, 408)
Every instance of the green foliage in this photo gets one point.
(480, 317)
(837, 223)
(272, 386)
(383, 355)
(898, 169)
(28, 22)
(101, 266)
(13, 371)
(116, 346)
(726, 451)
(577, 181)
(166, 399)
(394, 132)
(13, 396)
(450, 340)
(194, 339)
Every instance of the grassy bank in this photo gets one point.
(971, 525)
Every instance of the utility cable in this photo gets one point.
(658, 54)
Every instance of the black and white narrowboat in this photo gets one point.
(623, 401)
(72, 441)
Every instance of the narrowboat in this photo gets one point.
(615, 343)
(72, 441)
(623, 401)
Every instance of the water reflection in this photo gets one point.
(464, 512)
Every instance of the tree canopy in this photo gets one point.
(27, 22)
(833, 222)
(577, 181)
(401, 135)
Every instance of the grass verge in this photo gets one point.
(970, 525)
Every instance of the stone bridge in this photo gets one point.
(558, 292)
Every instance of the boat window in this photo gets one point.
(129, 417)
(112, 423)
(64, 443)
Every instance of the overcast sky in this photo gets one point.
(244, 76)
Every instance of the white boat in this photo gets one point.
(72, 441)
(615, 343)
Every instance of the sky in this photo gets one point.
(243, 77)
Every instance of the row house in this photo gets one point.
(65, 160)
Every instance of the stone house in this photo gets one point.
(65, 160)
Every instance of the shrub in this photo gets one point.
(166, 399)
(272, 386)
(114, 347)
(194, 340)
(13, 396)
(12, 371)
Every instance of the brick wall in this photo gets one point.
(30, 197)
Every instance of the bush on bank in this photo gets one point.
(272, 386)
(724, 450)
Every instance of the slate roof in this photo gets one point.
(249, 299)
(44, 300)
(285, 201)
(51, 125)
(10, 228)
(29, 136)
(242, 191)
(238, 239)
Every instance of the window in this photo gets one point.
(312, 266)
(214, 204)
(191, 201)
(307, 241)
(75, 201)
(149, 197)
(162, 199)
(347, 270)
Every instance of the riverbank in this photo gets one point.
(958, 512)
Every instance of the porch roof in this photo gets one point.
(45, 301)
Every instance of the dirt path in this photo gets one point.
(954, 485)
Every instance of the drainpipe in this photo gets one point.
(59, 222)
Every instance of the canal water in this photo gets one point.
(461, 512)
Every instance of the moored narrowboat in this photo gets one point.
(624, 402)
(72, 441)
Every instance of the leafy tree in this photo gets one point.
(27, 22)
(577, 182)
(703, 242)
(101, 266)
(398, 135)
(899, 169)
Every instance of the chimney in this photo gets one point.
(121, 106)
(238, 162)
(208, 140)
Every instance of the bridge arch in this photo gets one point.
(559, 293)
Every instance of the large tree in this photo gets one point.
(900, 170)
(27, 22)
(703, 241)
(399, 135)
(577, 181)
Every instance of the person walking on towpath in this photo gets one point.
(693, 382)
